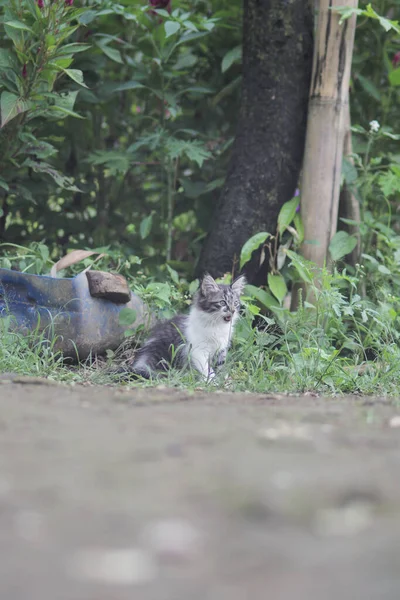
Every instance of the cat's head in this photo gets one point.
(222, 301)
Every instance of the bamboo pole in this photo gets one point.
(328, 102)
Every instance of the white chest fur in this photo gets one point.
(206, 335)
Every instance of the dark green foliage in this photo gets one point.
(111, 117)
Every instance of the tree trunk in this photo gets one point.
(325, 129)
(268, 149)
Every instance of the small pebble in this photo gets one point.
(113, 566)
(345, 521)
(395, 421)
(282, 430)
(174, 538)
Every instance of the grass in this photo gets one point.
(342, 344)
(295, 360)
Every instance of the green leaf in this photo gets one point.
(18, 25)
(128, 85)
(252, 244)
(277, 286)
(349, 171)
(74, 48)
(174, 275)
(384, 270)
(299, 226)
(6, 58)
(162, 12)
(287, 213)
(112, 53)
(194, 150)
(301, 266)
(261, 295)
(198, 89)
(126, 317)
(394, 77)
(76, 75)
(342, 244)
(171, 27)
(389, 182)
(40, 149)
(66, 183)
(193, 286)
(11, 106)
(233, 56)
(369, 87)
(4, 184)
(145, 226)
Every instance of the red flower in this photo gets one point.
(396, 59)
(69, 2)
(40, 3)
(24, 71)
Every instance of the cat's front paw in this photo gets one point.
(221, 358)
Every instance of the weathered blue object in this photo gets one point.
(63, 308)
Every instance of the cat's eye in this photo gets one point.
(221, 303)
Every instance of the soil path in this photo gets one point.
(109, 494)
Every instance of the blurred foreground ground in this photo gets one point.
(108, 494)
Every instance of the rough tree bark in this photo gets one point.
(268, 148)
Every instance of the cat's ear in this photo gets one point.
(208, 285)
(238, 285)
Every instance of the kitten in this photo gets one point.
(201, 338)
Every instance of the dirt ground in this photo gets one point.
(109, 494)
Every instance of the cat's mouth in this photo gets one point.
(228, 318)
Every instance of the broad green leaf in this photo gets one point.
(171, 27)
(233, 56)
(301, 266)
(349, 171)
(40, 149)
(369, 87)
(299, 226)
(145, 226)
(174, 274)
(341, 244)
(252, 244)
(263, 297)
(194, 150)
(394, 77)
(11, 106)
(162, 12)
(66, 183)
(384, 270)
(112, 53)
(76, 75)
(189, 25)
(18, 25)
(126, 317)
(193, 286)
(59, 112)
(277, 286)
(287, 213)
(4, 184)
(6, 58)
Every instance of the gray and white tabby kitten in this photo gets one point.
(201, 338)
